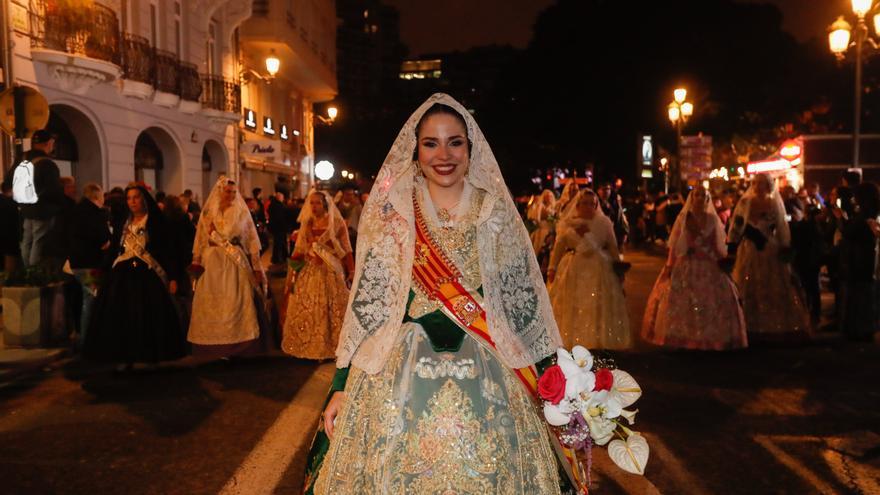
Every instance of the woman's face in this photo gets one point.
(317, 205)
(700, 199)
(762, 185)
(229, 192)
(135, 201)
(547, 198)
(586, 206)
(443, 150)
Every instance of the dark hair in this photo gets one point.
(257, 191)
(867, 197)
(438, 109)
(188, 193)
(323, 201)
(852, 178)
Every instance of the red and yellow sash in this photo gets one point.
(438, 277)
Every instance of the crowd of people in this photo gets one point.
(743, 266)
(457, 307)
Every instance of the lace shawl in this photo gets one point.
(678, 242)
(515, 298)
(241, 226)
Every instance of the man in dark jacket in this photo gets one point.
(89, 242)
(612, 205)
(10, 227)
(40, 216)
(279, 226)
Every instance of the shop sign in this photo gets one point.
(250, 119)
(268, 127)
(696, 157)
(284, 135)
(262, 149)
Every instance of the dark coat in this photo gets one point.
(10, 227)
(88, 233)
(47, 183)
(279, 218)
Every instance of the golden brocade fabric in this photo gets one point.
(437, 423)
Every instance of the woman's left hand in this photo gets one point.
(172, 287)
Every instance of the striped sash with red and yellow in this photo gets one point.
(438, 277)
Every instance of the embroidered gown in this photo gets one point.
(772, 299)
(134, 319)
(694, 305)
(316, 305)
(226, 306)
(443, 415)
(586, 294)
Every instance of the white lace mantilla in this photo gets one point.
(517, 306)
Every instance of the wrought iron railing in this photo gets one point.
(91, 31)
(190, 82)
(137, 58)
(165, 71)
(220, 94)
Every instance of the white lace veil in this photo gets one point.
(678, 244)
(782, 233)
(517, 307)
(569, 218)
(243, 227)
(538, 207)
(335, 221)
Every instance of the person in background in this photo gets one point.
(858, 258)
(807, 246)
(10, 226)
(814, 196)
(190, 205)
(89, 241)
(115, 202)
(725, 207)
(279, 226)
(350, 206)
(38, 218)
(160, 199)
(135, 319)
(612, 206)
(181, 227)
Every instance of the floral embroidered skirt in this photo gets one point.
(437, 423)
(694, 305)
(315, 309)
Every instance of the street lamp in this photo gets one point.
(678, 111)
(840, 35)
(332, 112)
(272, 64)
(324, 170)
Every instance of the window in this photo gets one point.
(211, 48)
(178, 30)
(154, 24)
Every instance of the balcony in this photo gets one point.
(79, 45)
(190, 88)
(166, 78)
(221, 99)
(137, 67)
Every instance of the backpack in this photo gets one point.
(23, 189)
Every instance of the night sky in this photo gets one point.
(427, 29)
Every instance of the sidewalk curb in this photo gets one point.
(13, 369)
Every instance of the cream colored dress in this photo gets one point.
(224, 310)
(586, 294)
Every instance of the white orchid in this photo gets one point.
(577, 367)
(602, 403)
(601, 429)
(558, 414)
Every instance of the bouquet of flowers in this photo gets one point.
(586, 399)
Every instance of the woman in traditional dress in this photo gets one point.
(541, 213)
(773, 303)
(694, 304)
(134, 319)
(229, 295)
(447, 302)
(586, 293)
(316, 304)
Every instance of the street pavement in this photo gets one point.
(774, 420)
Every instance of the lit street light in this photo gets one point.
(840, 35)
(324, 170)
(679, 111)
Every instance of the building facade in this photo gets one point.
(280, 110)
(147, 90)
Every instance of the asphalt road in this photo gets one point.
(760, 421)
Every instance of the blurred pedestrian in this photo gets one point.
(317, 301)
(585, 292)
(134, 319)
(612, 206)
(10, 226)
(190, 205)
(40, 216)
(89, 240)
(279, 227)
(694, 304)
(181, 226)
(773, 302)
(350, 207)
(228, 297)
(858, 270)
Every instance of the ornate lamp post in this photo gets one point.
(840, 39)
(679, 111)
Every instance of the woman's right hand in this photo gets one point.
(332, 410)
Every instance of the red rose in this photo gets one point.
(551, 385)
(604, 379)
